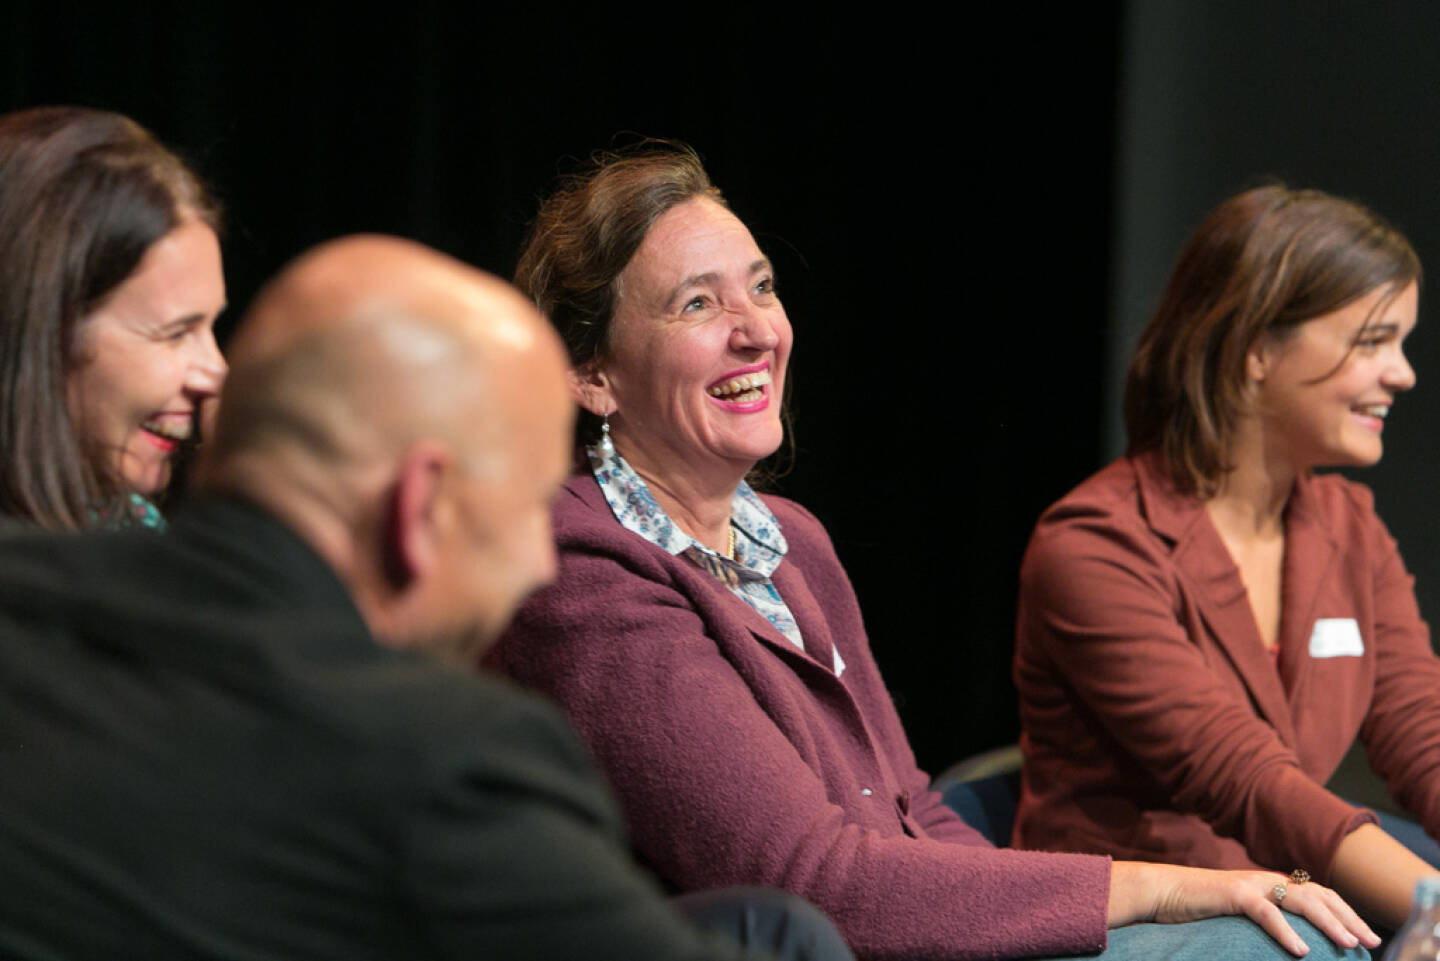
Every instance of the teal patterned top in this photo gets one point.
(130, 511)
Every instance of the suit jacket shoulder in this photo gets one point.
(207, 754)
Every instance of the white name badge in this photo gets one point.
(1336, 637)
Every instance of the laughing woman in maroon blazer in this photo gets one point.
(1205, 625)
(707, 643)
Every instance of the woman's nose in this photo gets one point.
(1399, 375)
(208, 368)
(754, 330)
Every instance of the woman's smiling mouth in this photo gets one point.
(743, 389)
(1372, 416)
(168, 432)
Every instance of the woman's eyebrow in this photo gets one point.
(709, 277)
(694, 280)
(1380, 328)
(189, 320)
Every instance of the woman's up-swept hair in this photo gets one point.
(589, 228)
(1262, 263)
(83, 195)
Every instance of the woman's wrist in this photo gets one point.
(1133, 898)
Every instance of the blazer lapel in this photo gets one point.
(1310, 550)
(814, 628)
(766, 632)
(819, 649)
(1202, 560)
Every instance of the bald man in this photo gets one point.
(234, 741)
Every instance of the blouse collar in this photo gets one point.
(759, 545)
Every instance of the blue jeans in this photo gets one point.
(1230, 939)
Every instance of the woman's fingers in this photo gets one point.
(1166, 893)
(1264, 913)
(1319, 905)
(1328, 911)
(1253, 894)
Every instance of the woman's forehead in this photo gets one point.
(692, 240)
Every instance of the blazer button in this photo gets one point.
(866, 791)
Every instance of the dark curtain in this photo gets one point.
(936, 195)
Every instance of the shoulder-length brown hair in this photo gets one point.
(1263, 262)
(83, 194)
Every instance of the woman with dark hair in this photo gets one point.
(706, 640)
(1206, 626)
(112, 285)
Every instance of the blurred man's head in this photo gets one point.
(408, 416)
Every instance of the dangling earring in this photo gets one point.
(606, 448)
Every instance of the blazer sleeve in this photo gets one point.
(1101, 603)
(715, 794)
(514, 848)
(1401, 731)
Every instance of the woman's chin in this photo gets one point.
(752, 454)
(147, 480)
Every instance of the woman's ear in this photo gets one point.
(1259, 358)
(591, 388)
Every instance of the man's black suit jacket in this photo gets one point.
(204, 754)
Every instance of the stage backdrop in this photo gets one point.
(970, 223)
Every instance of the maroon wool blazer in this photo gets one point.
(740, 759)
(1157, 727)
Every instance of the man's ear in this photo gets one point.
(417, 514)
(591, 388)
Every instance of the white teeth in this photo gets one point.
(745, 383)
(1375, 410)
(171, 430)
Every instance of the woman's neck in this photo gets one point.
(697, 502)
(1251, 501)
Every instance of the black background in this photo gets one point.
(969, 216)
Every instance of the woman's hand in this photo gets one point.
(1169, 894)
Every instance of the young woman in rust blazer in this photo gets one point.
(1205, 626)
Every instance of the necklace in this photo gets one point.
(730, 548)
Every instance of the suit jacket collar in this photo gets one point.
(271, 561)
(1200, 556)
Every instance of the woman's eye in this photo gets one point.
(766, 286)
(693, 304)
(1372, 337)
(177, 331)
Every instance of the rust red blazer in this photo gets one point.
(1157, 727)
